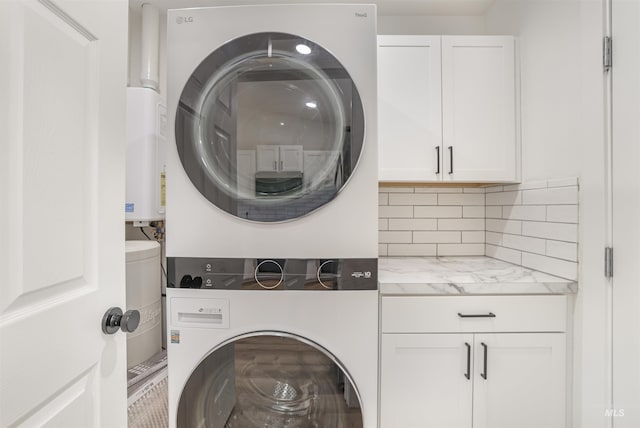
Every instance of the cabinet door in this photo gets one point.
(523, 383)
(267, 158)
(291, 158)
(423, 380)
(479, 123)
(409, 108)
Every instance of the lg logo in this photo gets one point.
(184, 19)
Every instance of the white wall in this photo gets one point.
(452, 25)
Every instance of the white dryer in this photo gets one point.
(272, 295)
(274, 148)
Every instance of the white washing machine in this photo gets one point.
(272, 216)
(249, 359)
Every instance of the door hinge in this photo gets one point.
(608, 262)
(607, 53)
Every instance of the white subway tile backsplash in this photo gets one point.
(506, 254)
(412, 199)
(438, 190)
(393, 189)
(437, 212)
(504, 198)
(562, 213)
(437, 237)
(493, 189)
(461, 224)
(461, 199)
(473, 211)
(399, 237)
(532, 224)
(473, 237)
(411, 250)
(562, 182)
(563, 250)
(525, 212)
(562, 268)
(395, 211)
(493, 238)
(541, 184)
(493, 212)
(552, 196)
(504, 226)
(474, 190)
(382, 250)
(524, 243)
(460, 249)
(413, 224)
(557, 231)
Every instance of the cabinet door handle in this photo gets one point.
(468, 373)
(437, 159)
(450, 159)
(484, 365)
(275, 165)
(281, 163)
(489, 315)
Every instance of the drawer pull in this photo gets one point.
(489, 315)
(484, 367)
(468, 373)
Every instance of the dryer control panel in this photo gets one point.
(272, 274)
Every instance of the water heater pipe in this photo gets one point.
(150, 46)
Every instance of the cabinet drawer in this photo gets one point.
(469, 314)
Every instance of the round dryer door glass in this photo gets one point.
(270, 127)
(269, 381)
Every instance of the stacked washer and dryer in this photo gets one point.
(272, 298)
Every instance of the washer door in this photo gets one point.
(269, 127)
(271, 380)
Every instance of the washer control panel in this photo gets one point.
(272, 274)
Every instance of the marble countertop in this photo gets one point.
(467, 275)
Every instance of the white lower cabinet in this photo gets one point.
(422, 381)
(523, 383)
(477, 372)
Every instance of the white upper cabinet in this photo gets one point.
(448, 109)
(479, 108)
(409, 108)
(272, 158)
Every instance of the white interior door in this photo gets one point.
(626, 213)
(62, 130)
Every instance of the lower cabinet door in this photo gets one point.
(426, 380)
(519, 380)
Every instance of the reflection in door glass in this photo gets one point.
(270, 127)
(269, 382)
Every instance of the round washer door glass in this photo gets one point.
(269, 127)
(269, 381)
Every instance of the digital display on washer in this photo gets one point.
(269, 127)
(272, 274)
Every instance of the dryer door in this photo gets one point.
(269, 127)
(274, 380)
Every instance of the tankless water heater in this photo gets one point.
(145, 173)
